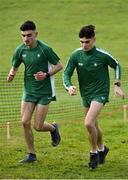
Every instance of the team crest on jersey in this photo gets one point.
(95, 64)
(38, 55)
(80, 64)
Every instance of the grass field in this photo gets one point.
(58, 23)
(69, 159)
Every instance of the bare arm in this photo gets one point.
(56, 69)
(39, 76)
(11, 74)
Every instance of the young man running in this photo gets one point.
(41, 64)
(92, 64)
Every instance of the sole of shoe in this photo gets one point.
(92, 168)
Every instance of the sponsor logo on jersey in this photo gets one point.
(24, 55)
(49, 98)
(102, 97)
(80, 64)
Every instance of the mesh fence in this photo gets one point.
(65, 108)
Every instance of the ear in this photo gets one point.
(94, 39)
(36, 33)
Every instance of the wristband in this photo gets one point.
(47, 75)
(117, 84)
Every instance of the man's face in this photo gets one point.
(29, 37)
(87, 44)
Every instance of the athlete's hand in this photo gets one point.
(118, 92)
(10, 77)
(39, 76)
(72, 90)
(11, 74)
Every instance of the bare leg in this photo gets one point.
(90, 123)
(40, 115)
(99, 136)
(27, 109)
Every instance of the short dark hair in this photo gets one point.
(87, 31)
(28, 25)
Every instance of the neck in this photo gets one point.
(33, 45)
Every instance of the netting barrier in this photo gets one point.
(65, 108)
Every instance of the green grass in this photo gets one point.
(69, 159)
(58, 23)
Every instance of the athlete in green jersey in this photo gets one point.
(41, 63)
(91, 65)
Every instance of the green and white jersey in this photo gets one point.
(40, 58)
(92, 70)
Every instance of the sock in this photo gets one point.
(102, 149)
(54, 128)
(93, 152)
